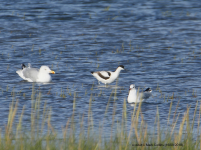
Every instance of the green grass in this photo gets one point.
(134, 135)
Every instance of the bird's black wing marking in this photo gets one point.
(109, 73)
(100, 75)
(147, 90)
(23, 66)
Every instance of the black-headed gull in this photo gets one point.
(136, 97)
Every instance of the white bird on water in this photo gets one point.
(136, 97)
(107, 77)
(34, 74)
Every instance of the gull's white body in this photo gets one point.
(36, 75)
(135, 97)
(107, 77)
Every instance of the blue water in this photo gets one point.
(158, 42)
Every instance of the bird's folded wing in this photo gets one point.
(104, 74)
(146, 95)
(31, 73)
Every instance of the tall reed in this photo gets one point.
(128, 135)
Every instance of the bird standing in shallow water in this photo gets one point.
(107, 77)
(135, 97)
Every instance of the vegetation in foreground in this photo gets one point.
(137, 136)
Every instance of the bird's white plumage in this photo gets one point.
(35, 75)
(107, 77)
(135, 97)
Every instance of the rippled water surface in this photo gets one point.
(158, 42)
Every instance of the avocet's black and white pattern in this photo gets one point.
(136, 97)
(107, 77)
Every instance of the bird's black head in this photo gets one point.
(121, 66)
